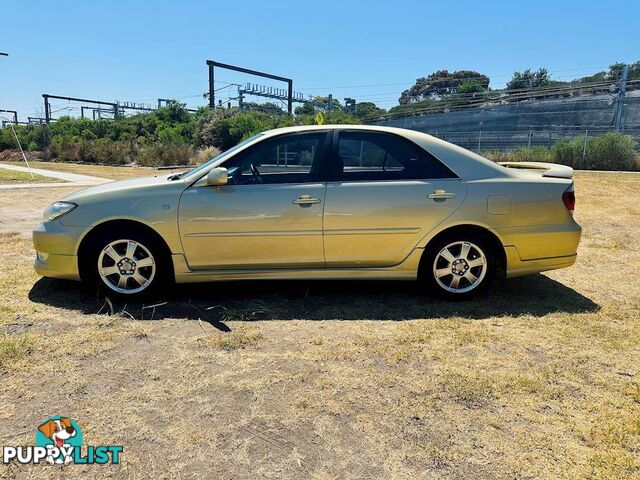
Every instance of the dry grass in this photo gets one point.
(9, 176)
(104, 171)
(538, 379)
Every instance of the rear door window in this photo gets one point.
(367, 156)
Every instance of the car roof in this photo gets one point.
(466, 164)
(307, 128)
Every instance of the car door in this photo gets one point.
(384, 194)
(268, 215)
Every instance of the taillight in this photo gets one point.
(569, 199)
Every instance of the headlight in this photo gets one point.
(58, 209)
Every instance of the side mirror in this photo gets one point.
(218, 176)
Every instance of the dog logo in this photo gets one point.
(64, 434)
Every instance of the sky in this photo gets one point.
(138, 51)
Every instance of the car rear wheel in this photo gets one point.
(459, 267)
(127, 265)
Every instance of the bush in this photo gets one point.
(223, 128)
(568, 151)
(536, 154)
(611, 151)
(166, 136)
(204, 155)
(102, 150)
(106, 151)
(7, 140)
(158, 155)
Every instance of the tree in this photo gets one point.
(368, 109)
(440, 84)
(596, 77)
(318, 104)
(471, 86)
(529, 79)
(268, 107)
(615, 71)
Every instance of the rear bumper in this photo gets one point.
(537, 249)
(517, 267)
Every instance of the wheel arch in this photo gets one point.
(108, 225)
(474, 230)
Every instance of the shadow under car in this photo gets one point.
(536, 295)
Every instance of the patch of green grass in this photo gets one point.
(11, 176)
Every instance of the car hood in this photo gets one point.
(150, 200)
(121, 187)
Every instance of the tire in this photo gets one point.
(126, 264)
(459, 266)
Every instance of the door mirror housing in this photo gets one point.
(216, 177)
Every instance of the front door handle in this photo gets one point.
(440, 195)
(306, 200)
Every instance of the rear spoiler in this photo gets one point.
(547, 169)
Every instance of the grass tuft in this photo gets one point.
(14, 349)
(240, 338)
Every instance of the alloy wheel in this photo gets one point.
(126, 266)
(460, 267)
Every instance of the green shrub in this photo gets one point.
(611, 151)
(103, 150)
(7, 140)
(568, 151)
(108, 151)
(63, 150)
(536, 154)
(170, 154)
(166, 136)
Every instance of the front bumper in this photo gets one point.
(56, 248)
(57, 266)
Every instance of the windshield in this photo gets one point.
(218, 158)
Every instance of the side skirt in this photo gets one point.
(407, 270)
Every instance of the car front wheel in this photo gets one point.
(127, 265)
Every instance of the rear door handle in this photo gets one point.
(440, 195)
(306, 200)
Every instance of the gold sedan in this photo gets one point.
(321, 202)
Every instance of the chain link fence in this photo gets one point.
(506, 141)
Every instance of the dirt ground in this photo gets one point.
(540, 378)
